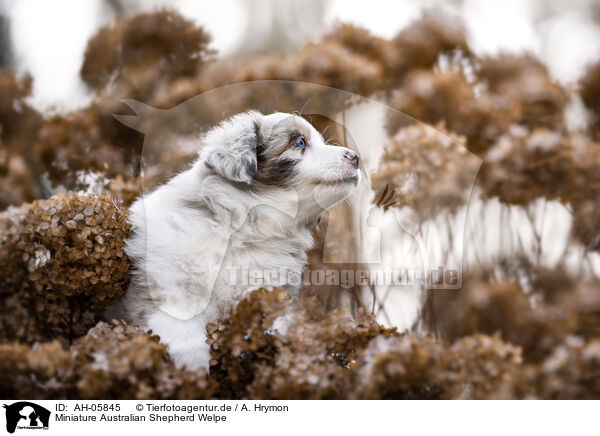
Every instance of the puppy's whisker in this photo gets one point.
(304, 106)
(329, 139)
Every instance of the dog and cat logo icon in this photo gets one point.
(26, 415)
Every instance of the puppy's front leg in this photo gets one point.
(186, 339)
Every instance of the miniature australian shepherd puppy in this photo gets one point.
(247, 204)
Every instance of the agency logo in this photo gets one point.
(26, 415)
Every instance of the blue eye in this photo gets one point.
(300, 142)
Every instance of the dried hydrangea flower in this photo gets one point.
(61, 261)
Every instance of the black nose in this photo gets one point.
(352, 157)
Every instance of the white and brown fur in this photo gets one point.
(247, 202)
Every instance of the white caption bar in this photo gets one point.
(151, 417)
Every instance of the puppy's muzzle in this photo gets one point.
(352, 157)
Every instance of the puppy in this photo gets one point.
(247, 204)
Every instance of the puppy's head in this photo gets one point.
(281, 152)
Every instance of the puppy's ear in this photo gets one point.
(230, 148)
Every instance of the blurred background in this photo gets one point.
(48, 40)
